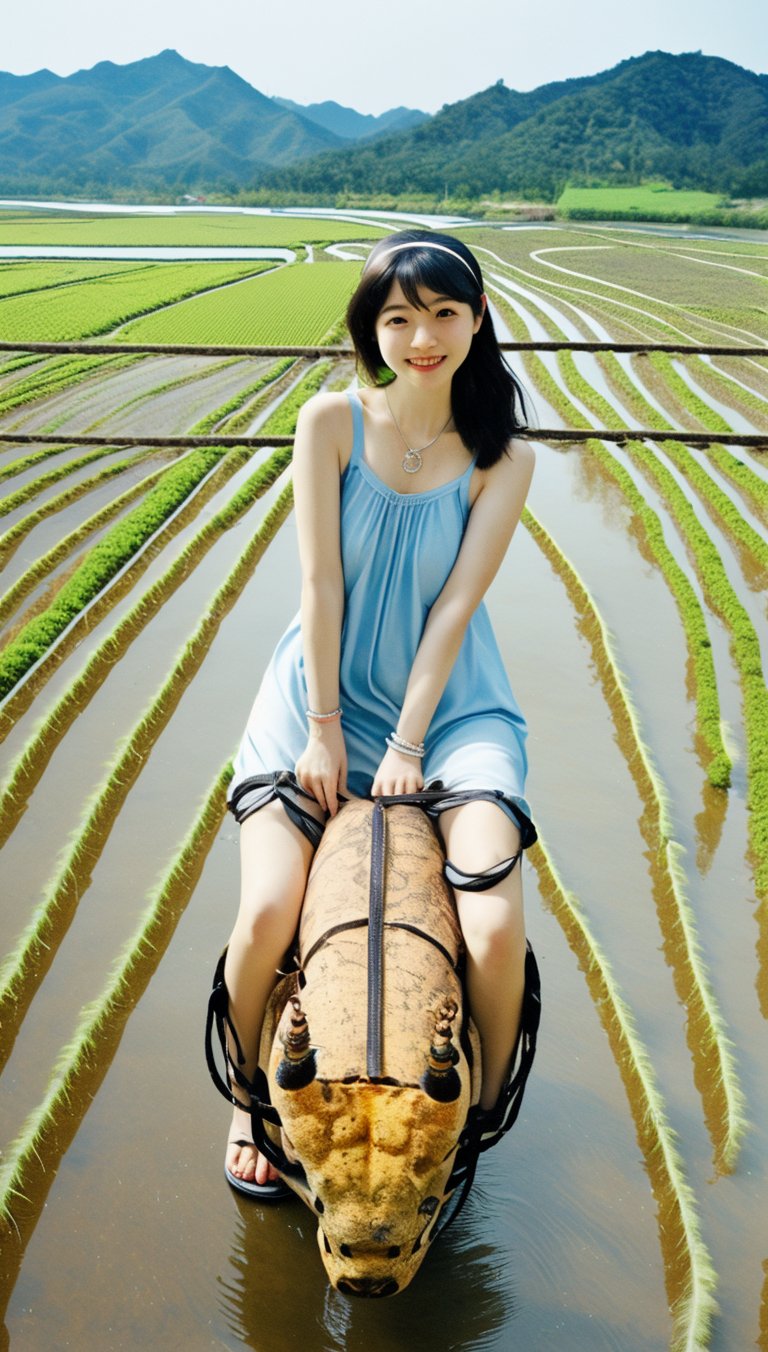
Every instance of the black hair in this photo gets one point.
(486, 398)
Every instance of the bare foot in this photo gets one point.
(245, 1161)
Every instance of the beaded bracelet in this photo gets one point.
(323, 718)
(407, 745)
(397, 743)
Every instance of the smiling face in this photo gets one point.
(425, 343)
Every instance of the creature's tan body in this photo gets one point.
(376, 1154)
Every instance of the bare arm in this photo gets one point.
(321, 769)
(491, 524)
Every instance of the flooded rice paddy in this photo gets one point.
(630, 1196)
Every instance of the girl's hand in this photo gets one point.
(322, 766)
(397, 774)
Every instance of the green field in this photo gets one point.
(651, 202)
(90, 307)
(18, 278)
(180, 230)
(293, 305)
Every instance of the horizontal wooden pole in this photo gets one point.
(188, 350)
(756, 440)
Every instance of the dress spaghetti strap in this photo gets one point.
(358, 429)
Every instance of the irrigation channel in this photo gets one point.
(144, 584)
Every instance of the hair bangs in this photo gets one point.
(419, 270)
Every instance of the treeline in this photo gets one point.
(697, 121)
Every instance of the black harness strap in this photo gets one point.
(281, 784)
(256, 1092)
(388, 924)
(437, 799)
(479, 882)
(376, 942)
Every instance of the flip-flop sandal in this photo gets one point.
(273, 1191)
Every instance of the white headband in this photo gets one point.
(427, 244)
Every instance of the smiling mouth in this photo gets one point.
(425, 361)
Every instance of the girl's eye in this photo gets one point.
(445, 312)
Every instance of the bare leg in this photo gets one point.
(477, 836)
(275, 857)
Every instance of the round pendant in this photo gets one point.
(412, 462)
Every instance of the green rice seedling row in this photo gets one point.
(42, 566)
(104, 560)
(291, 306)
(59, 374)
(89, 308)
(244, 396)
(24, 278)
(282, 423)
(11, 538)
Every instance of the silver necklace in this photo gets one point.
(412, 460)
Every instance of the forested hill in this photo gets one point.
(170, 125)
(156, 122)
(697, 120)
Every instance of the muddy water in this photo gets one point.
(130, 1238)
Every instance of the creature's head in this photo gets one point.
(376, 1158)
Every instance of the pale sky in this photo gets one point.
(375, 56)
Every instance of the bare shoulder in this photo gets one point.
(512, 472)
(518, 459)
(327, 410)
(324, 427)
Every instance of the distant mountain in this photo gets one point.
(159, 121)
(169, 125)
(15, 87)
(697, 120)
(351, 125)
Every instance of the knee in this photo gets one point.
(493, 931)
(265, 919)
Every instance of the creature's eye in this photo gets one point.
(345, 1251)
(429, 1206)
(394, 1252)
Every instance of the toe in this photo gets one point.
(264, 1172)
(248, 1158)
(233, 1159)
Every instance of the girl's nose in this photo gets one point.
(423, 335)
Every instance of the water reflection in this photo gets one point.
(761, 949)
(277, 1295)
(762, 1339)
(710, 821)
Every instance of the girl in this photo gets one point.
(407, 493)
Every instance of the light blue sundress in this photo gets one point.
(397, 551)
